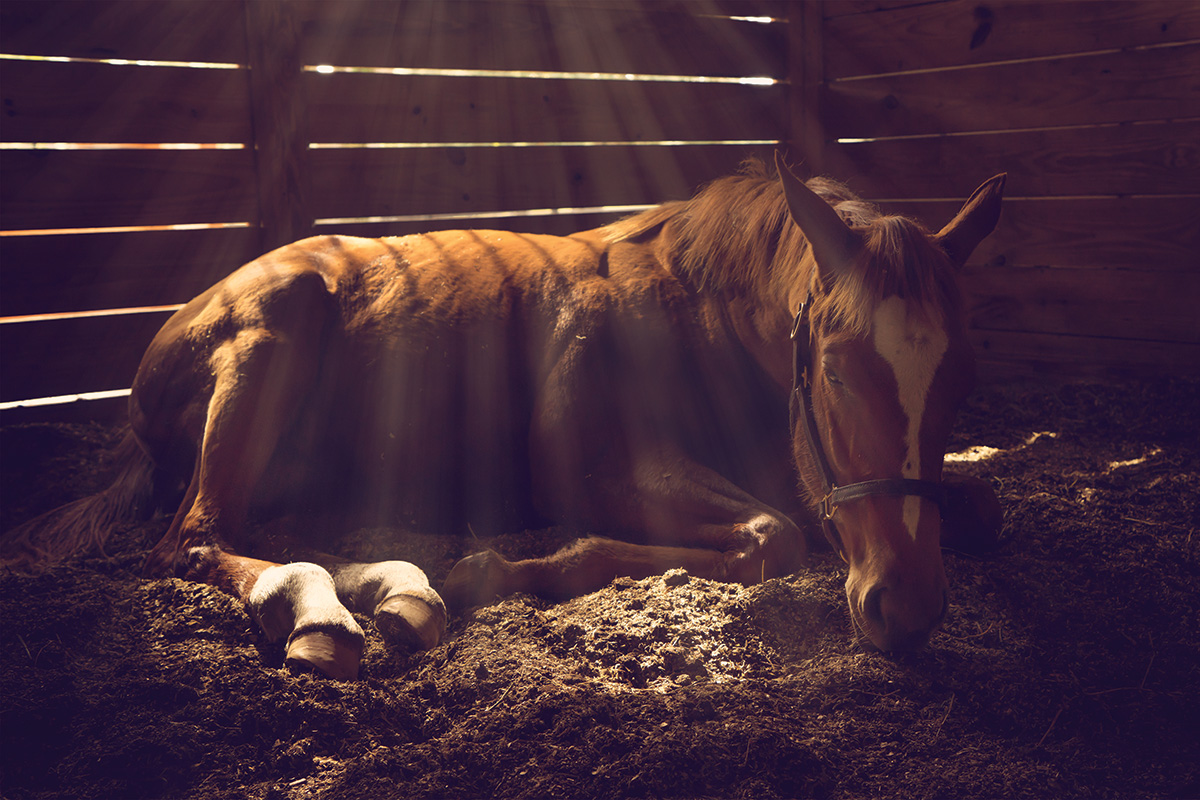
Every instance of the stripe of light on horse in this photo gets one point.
(914, 348)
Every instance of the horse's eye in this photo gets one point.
(832, 377)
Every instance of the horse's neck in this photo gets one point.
(756, 309)
(763, 332)
(763, 313)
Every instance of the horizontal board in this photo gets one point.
(1110, 303)
(355, 107)
(1118, 160)
(179, 30)
(1010, 355)
(73, 189)
(47, 359)
(937, 35)
(657, 38)
(85, 102)
(110, 411)
(846, 8)
(1162, 83)
(779, 9)
(84, 272)
(1135, 233)
(358, 183)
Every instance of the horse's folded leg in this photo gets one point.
(408, 613)
(298, 601)
(972, 516)
(477, 579)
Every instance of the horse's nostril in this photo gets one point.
(873, 606)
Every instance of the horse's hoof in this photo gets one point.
(333, 656)
(408, 623)
(475, 580)
(165, 561)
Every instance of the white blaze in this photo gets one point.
(914, 347)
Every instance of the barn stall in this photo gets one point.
(150, 148)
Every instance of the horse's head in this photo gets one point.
(885, 362)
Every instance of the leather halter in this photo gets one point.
(835, 495)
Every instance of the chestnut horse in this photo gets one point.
(634, 380)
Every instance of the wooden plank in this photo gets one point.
(808, 136)
(1008, 355)
(657, 38)
(359, 183)
(110, 411)
(845, 8)
(1136, 233)
(280, 130)
(915, 36)
(1147, 159)
(74, 189)
(84, 102)
(389, 108)
(1162, 83)
(778, 9)
(84, 272)
(1085, 302)
(181, 30)
(47, 359)
(762, 8)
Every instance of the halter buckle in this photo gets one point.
(826, 507)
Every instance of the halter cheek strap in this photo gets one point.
(834, 495)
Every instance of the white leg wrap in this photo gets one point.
(363, 587)
(296, 598)
(407, 611)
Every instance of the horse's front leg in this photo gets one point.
(681, 513)
(678, 502)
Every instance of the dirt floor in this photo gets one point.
(1069, 667)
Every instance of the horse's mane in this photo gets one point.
(736, 234)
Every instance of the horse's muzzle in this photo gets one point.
(897, 620)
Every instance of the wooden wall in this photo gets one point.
(1093, 110)
(277, 157)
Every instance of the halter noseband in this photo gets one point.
(837, 495)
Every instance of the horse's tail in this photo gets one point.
(83, 525)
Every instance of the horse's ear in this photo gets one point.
(974, 221)
(835, 246)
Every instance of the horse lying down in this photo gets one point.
(691, 382)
